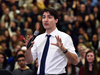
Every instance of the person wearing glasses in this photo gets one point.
(23, 69)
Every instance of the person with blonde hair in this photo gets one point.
(29, 32)
(1, 49)
(81, 52)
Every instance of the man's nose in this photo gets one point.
(46, 19)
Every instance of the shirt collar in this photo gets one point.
(53, 33)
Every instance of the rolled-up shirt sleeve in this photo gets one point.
(34, 51)
(69, 44)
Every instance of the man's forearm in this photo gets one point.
(70, 56)
(29, 58)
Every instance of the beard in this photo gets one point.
(22, 65)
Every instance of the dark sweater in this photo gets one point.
(23, 72)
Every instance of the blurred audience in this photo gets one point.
(72, 69)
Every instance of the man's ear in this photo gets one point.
(56, 20)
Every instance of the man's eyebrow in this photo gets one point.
(47, 15)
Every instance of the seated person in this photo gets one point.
(90, 67)
(23, 69)
(3, 62)
(71, 69)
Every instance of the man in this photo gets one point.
(60, 48)
(22, 70)
(89, 7)
(83, 12)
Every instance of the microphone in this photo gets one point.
(35, 34)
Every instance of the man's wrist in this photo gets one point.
(65, 51)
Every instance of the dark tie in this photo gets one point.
(45, 51)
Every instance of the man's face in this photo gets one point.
(7, 11)
(66, 18)
(88, 2)
(49, 22)
(3, 44)
(95, 38)
(82, 7)
(21, 62)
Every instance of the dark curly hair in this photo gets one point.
(52, 12)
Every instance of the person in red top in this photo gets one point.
(19, 35)
(90, 67)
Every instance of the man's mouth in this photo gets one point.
(46, 23)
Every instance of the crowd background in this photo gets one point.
(78, 18)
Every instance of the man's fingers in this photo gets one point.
(53, 44)
(24, 44)
(27, 37)
(24, 39)
(58, 38)
(59, 41)
(30, 37)
(32, 42)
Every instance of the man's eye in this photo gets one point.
(43, 17)
(49, 17)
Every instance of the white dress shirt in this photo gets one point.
(56, 59)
